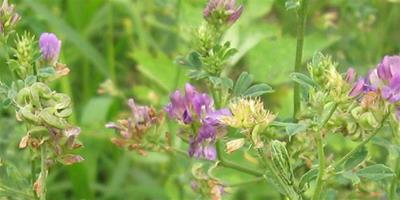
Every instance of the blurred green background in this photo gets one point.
(135, 43)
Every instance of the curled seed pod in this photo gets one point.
(23, 97)
(64, 113)
(62, 100)
(47, 115)
(26, 113)
(281, 161)
(368, 121)
(41, 90)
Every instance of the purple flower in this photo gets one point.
(389, 67)
(358, 88)
(391, 92)
(383, 80)
(226, 7)
(350, 75)
(194, 108)
(50, 47)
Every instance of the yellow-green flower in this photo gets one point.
(248, 113)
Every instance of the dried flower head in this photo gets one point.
(8, 18)
(50, 47)
(134, 128)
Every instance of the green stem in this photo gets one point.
(232, 165)
(321, 153)
(359, 146)
(393, 185)
(43, 171)
(110, 44)
(321, 171)
(299, 54)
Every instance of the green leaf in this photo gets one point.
(91, 113)
(242, 84)
(216, 81)
(376, 172)
(351, 176)
(258, 90)
(6, 102)
(307, 178)
(273, 60)
(197, 74)
(30, 80)
(160, 69)
(292, 128)
(194, 60)
(227, 83)
(46, 72)
(356, 159)
(302, 79)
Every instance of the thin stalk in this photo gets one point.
(232, 165)
(393, 184)
(43, 172)
(321, 154)
(359, 146)
(6, 189)
(321, 171)
(110, 45)
(299, 54)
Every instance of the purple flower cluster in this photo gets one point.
(50, 47)
(229, 6)
(384, 79)
(196, 109)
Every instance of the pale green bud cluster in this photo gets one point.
(25, 54)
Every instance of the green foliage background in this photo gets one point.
(135, 43)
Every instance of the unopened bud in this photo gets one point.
(234, 145)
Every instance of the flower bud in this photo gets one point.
(50, 47)
(24, 54)
(222, 12)
(350, 75)
(234, 145)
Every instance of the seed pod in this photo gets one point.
(64, 113)
(47, 115)
(23, 97)
(27, 114)
(62, 101)
(234, 145)
(281, 161)
(368, 121)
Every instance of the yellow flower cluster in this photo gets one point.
(248, 113)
